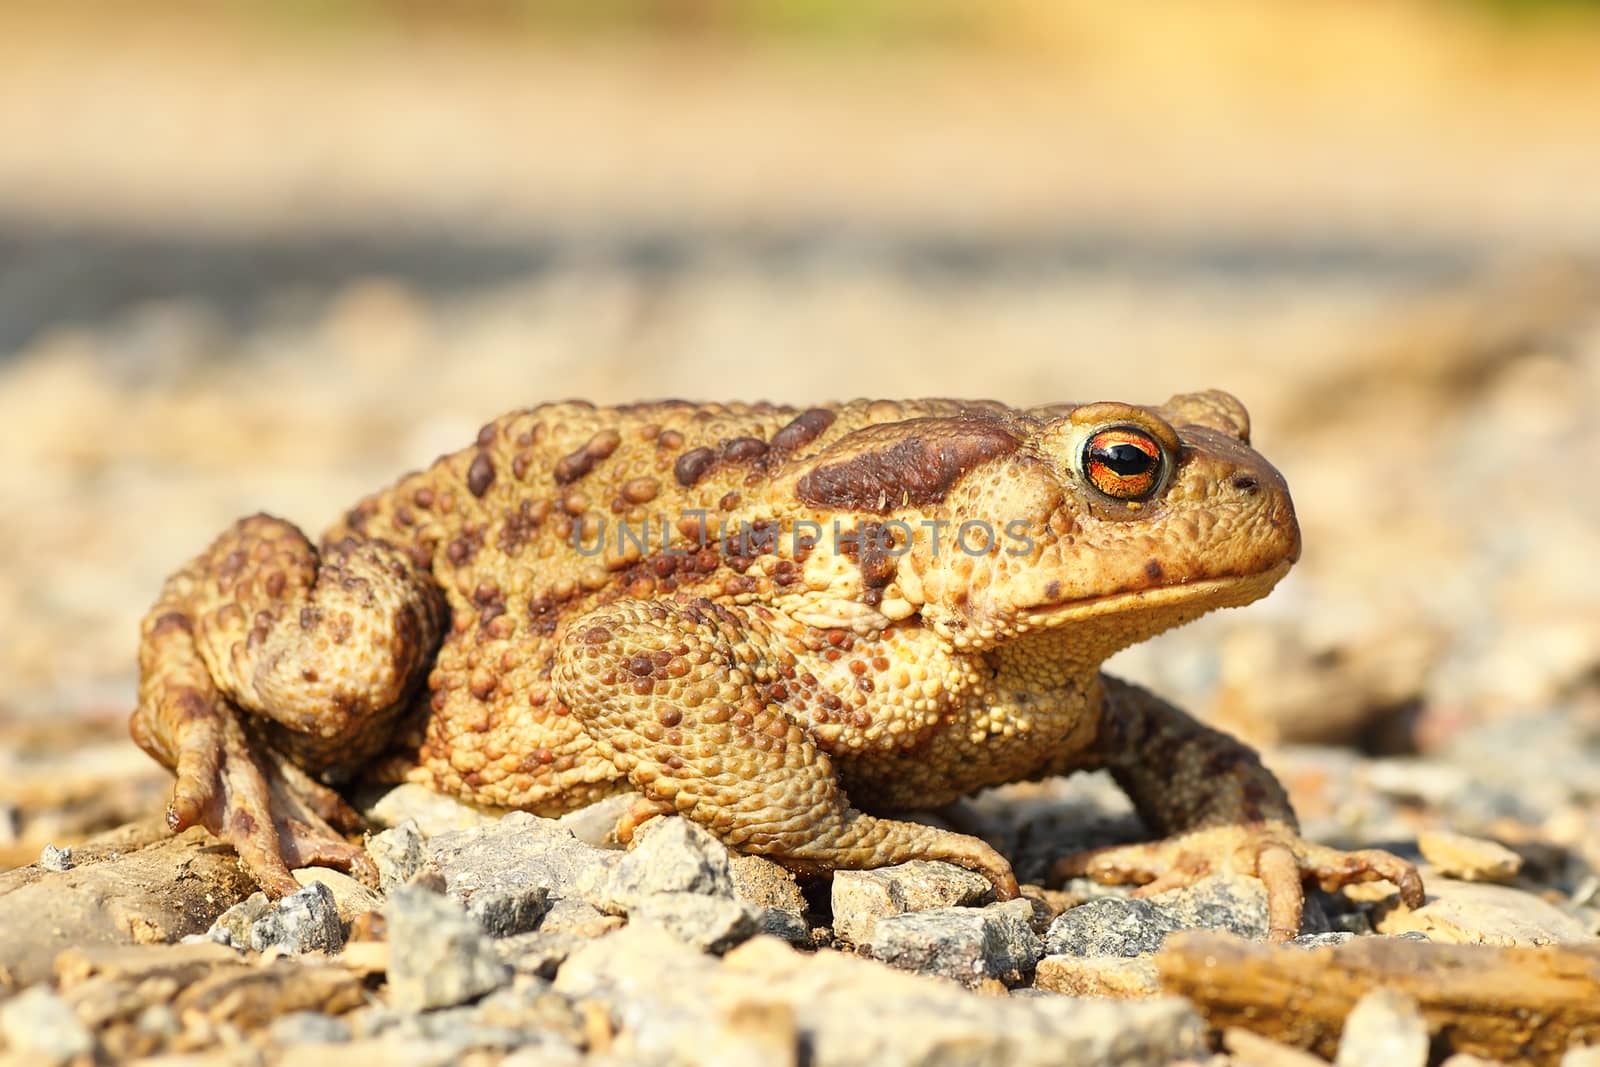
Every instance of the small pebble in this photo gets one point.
(40, 1027)
(52, 858)
(1471, 859)
(305, 921)
(438, 955)
(1385, 1027)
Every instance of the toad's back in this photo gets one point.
(563, 507)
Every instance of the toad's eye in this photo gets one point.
(1123, 463)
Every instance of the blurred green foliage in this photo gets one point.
(819, 20)
(947, 22)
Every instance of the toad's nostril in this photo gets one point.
(1246, 484)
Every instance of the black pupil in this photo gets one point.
(1125, 459)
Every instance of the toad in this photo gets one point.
(786, 625)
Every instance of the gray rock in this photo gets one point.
(670, 855)
(524, 1013)
(52, 858)
(596, 824)
(1237, 905)
(1323, 940)
(573, 916)
(861, 898)
(432, 813)
(308, 1028)
(233, 926)
(40, 1027)
(503, 912)
(353, 898)
(438, 955)
(1384, 1027)
(305, 921)
(772, 889)
(1110, 926)
(518, 855)
(400, 853)
(787, 926)
(671, 1004)
(540, 953)
(1132, 926)
(966, 944)
(711, 924)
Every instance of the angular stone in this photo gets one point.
(1221, 902)
(573, 916)
(304, 921)
(438, 955)
(766, 1002)
(1249, 1049)
(786, 926)
(1473, 913)
(1471, 859)
(596, 824)
(351, 897)
(1386, 1027)
(759, 881)
(116, 894)
(251, 997)
(540, 953)
(233, 926)
(52, 858)
(432, 813)
(670, 855)
(861, 898)
(1098, 976)
(1324, 940)
(181, 964)
(1109, 926)
(519, 853)
(711, 924)
(966, 944)
(400, 853)
(42, 1028)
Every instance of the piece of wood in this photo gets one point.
(1515, 1004)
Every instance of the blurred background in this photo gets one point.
(268, 256)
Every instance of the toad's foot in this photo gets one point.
(1270, 851)
(261, 651)
(274, 815)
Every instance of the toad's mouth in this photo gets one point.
(1189, 599)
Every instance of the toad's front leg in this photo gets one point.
(689, 700)
(263, 658)
(1223, 809)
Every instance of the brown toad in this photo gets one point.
(771, 621)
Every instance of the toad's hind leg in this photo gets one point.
(680, 697)
(262, 661)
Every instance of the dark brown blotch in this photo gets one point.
(480, 476)
(743, 449)
(802, 429)
(693, 465)
(576, 464)
(919, 469)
